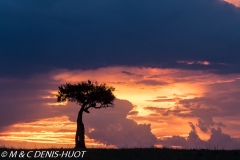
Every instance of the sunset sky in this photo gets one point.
(175, 67)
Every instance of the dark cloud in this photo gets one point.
(164, 100)
(191, 142)
(157, 109)
(218, 104)
(39, 35)
(194, 62)
(192, 126)
(128, 73)
(206, 122)
(21, 100)
(151, 82)
(132, 74)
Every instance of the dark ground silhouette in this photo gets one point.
(146, 154)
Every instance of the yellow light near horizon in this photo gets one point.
(57, 104)
(142, 97)
(45, 132)
(139, 85)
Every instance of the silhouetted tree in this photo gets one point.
(87, 95)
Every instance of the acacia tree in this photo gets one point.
(87, 95)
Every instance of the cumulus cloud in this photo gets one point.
(217, 140)
(206, 122)
(191, 142)
(112, 127)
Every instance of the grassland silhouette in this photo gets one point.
(141, 154)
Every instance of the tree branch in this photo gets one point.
(98, 107)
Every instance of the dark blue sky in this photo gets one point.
(38, 36)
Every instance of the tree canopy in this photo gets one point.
(87, 94)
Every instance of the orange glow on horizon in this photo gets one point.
(161, 89)
(46, 132)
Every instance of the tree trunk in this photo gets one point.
(79, 138)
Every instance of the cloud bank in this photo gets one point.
(93, 34)
(112, 127)
(217, 141)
